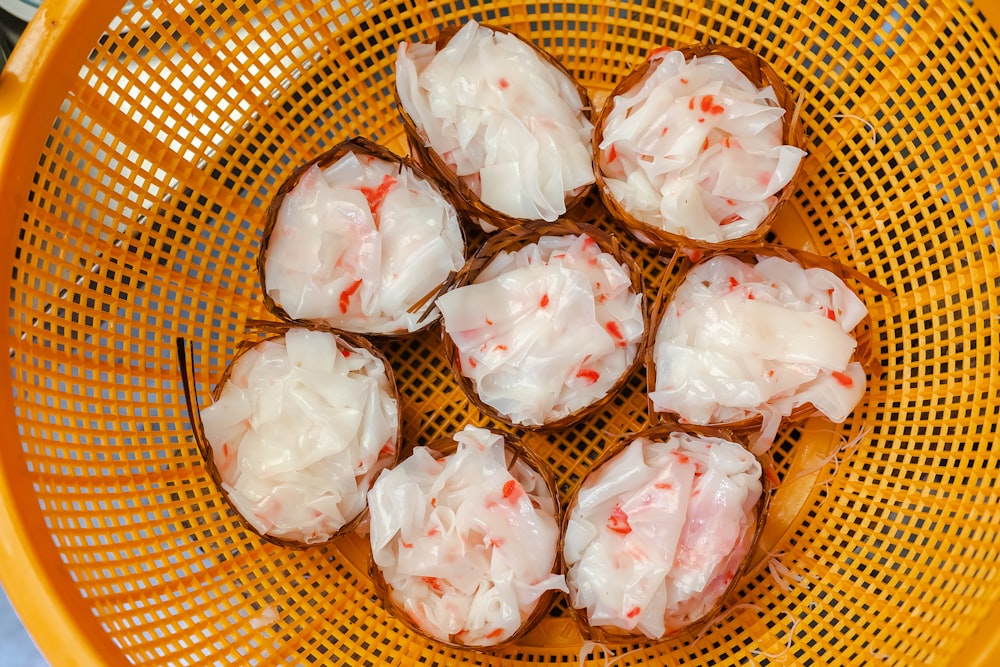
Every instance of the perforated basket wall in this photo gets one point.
(140, 148)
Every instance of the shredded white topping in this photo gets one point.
(510, 124)
(467, 546)
(546, 330)
(656, 534)
(696, 149)
(301, 427)
(357, 244)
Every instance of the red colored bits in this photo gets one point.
(504, 84)
(830, 315)
(733, 283)
(376, 196)
(512, 490)
(843, 378)
(616, 333)
(730, 219)
(493, 634)
(544, 301)
(633, 612)
(618, 521)
(345, 296)
(433, 583)
(612, 153)
(589, 375)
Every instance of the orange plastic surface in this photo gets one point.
(138, 150)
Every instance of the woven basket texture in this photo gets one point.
(134, 195)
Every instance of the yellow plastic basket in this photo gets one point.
(139, 149)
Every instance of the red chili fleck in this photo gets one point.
(406, 545)
(345, 296)
(495, 541)
(750, 296)
(493, 634)
(664, 485)
(706, 103)
(770, 373)
(472, 362)
(633, 612)
(618, 521)
(512, 490)
(681, 458)
(434, 502)
(387, 449)
(694, 255)
(728, 145)
(345, 352)
(544, 301)
(730, 219)
(616, 333)
(432, 532)
(701, 120)
(500, 348)
(588, 374)
(684, 81)
(663, 133)
(489, 322)
(717, 109)
(433, 583)
(733, 283)
(704, 145)
(225, 449)
(504, 83)
(843, 378)
(691, 104)
(830, 315)
(376, 196)
(612, 153)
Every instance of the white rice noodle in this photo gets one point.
(357, 244)
(696, 149)
(738, 340)
(300, 430)
(656, 534)
(467, 546)
(546, 330)
(510, 124)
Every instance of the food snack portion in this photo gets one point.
(300, 426)
(464, 545)
(741, 340)
(356, 240)
(546, 329)
(695, 148)
(656, 535)
(501, 117)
